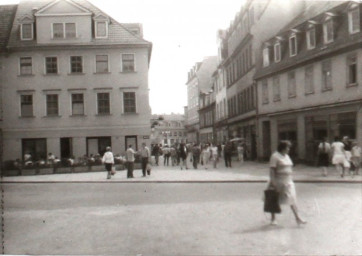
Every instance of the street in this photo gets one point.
(178, 219)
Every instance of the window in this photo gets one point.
(58, 30)
(326, 75)
(37, 148)
(26, 66)
(309, 80)
(277, 52)
(291, 85)
(77, 104)
(52, 105)
(101, 29)
(276, 88)
(128, 63)
(76, 64)
(129, 101)
(103, 103)
(102, 64)
(293, 45)
(328, 31)
(64, 30)
(70, 30)
(26, 105)
(266, 57)
(352, 69)
(26, 31)
(51, 65)
(265, 92)
(311, 42)
(354, 21)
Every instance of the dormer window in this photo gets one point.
(293, 45)
(353, 19)
(27, 28)
(311, 40)
(328, 33)
(266, 57)
(277, 51)
(101, 26)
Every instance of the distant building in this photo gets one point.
(75, 80)
(168, 129)
(309, 80)
(199, 82)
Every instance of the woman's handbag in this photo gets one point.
(113, 171)
(271, 201)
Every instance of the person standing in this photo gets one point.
(145, 154)
(205, 155)
(347, 153)
(324, 150)
(156, 153)
(356, 157)
(182, 152)
(166, 155)
(188, 155)
(195, 155)
(240, 150)
(130, 161)
(227, 154)
(214, 155)
(281, 180)
(338, 156)
(108, 161)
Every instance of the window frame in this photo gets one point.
(20, 69)
(96, 28)
(266, 57)
(21, 105)
(325, 31)
(265, 91)
(109, 103)
(124, 102)
(350, 20)
(72, 102)
(277, 54)
(108, 64)
(349, 62)
(276, 89)
(308, 38)
(324, 64)
(47, 105)
(293, 36)
(70, 63)
(134, 63)
(45, 65)
(309, 88)
(64, 30)
(22, 31)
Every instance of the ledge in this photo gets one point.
(103, 114)
(128, 72)
(52, 116)
(101, 73)
(26, 117)
(29, 75)
(51, 74)
(77, 115)
(76, 74)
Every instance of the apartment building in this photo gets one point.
(309, 80)
(75, 82)
(168, 129)
(199, 80)
(255, 22)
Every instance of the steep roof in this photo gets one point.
(117, 33)
(204, 73)
(7, 13)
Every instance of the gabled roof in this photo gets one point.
(7, 13)
(67, 5)
(117, 33)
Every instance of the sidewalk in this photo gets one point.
(246, 172)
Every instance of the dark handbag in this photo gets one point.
(271, 201)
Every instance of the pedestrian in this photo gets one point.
(219, 150)
(145, 154)
(173, 153)
(166, 155)
(108, 160)
(240, 150)
(196, 152)
(356, 157)
(156, 153)
(206, 154)
(324, 150)
(347, 153)
(130, 161)
(338, 156)
(182, 152)
(214, 155)
(227, 154)
(281, 168)
(188, 155)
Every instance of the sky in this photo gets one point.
(182, 32)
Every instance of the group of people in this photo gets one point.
(343, 154)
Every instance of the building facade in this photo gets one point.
(309, 81)
(168, 129)
(76, 81)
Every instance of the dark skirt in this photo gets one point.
(108, 167)
(323, 160)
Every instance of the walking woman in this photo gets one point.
(108, 161)
(338, 156)
(281, 168)
(324, 150)
(182, 154)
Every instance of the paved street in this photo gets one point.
(178, 219)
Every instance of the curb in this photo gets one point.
(176, 182)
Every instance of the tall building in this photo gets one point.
(238, 45)
(75, 81)
(199, 80)
(309, 79)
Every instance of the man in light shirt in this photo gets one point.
(108, 161)
(130, 161)
(145, 154)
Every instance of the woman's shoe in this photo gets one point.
(301, 222)
(273, 223)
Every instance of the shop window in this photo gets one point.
(37, 148)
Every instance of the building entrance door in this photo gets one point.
(66, 148)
